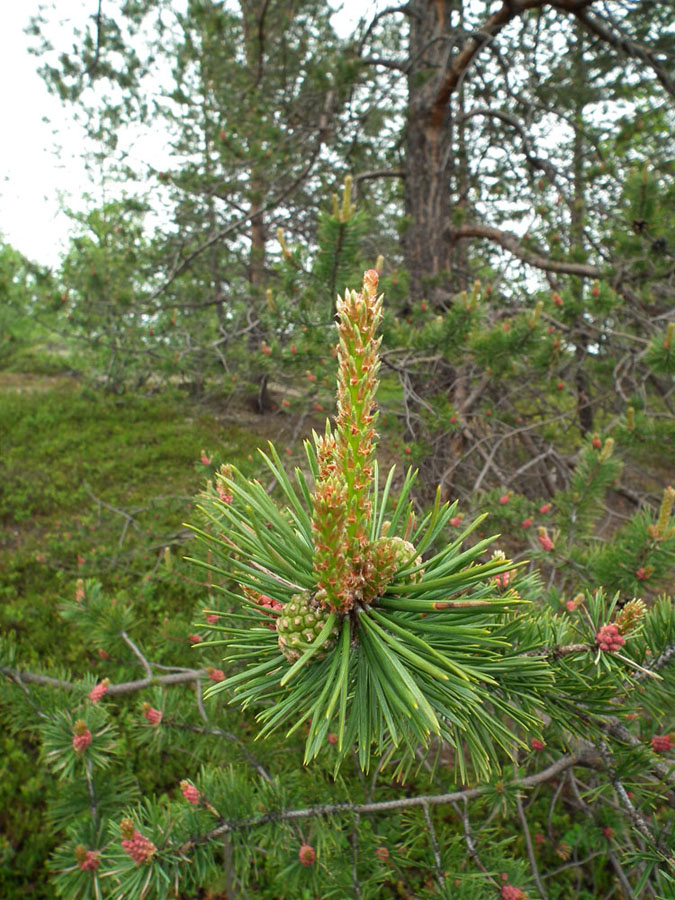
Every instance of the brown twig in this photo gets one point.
(551, 772)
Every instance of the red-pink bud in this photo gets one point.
(138, 847)
(212, 618)
(88, 860)
(526, 523)
(152, 715)
(545, 540)
(382, 853)
(223, 494)
(190, 792)
(608, 639)
(536, 744)
(504, 499)
(82, 737)
(509, 892)
(502, 580)
(99, 690)
(215, 674)
(306, 855)
(662, 743)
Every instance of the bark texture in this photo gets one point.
(428, 157)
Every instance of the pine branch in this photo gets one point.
(530, 849)
(405, 8)
(434, 845)
(616, 865)
(458, 65)
(379, 173)
(185, 676)
(184, 263)
(593, 25)
(661, 660)
(584, 758)
(619, 732)
(469, 840)
(143, 661)
(511, 242)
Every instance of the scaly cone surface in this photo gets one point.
(300, 624)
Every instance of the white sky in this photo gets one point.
(41, 169)
(39, 152)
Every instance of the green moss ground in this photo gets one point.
(93, 486)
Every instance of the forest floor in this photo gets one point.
(98, 486)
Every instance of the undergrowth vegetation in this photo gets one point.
(92, 486)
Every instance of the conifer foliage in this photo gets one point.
(385, 649)
(386, 643)
(384, 690)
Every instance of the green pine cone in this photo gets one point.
(404, 552)
(300, 623)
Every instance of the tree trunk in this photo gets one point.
(428, 156)
(584, 399)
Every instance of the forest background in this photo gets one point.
(508, 171)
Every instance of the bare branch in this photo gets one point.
(186, 676)
(379, 173)
(434, 845)
(530, 849)
(137, 653)
(551, 772)
(511, 242)
(396, 65)
(459, 64)
(389, 11)
(625, 883)
(470, 842)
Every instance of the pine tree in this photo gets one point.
(529, 375)
(434, 658)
